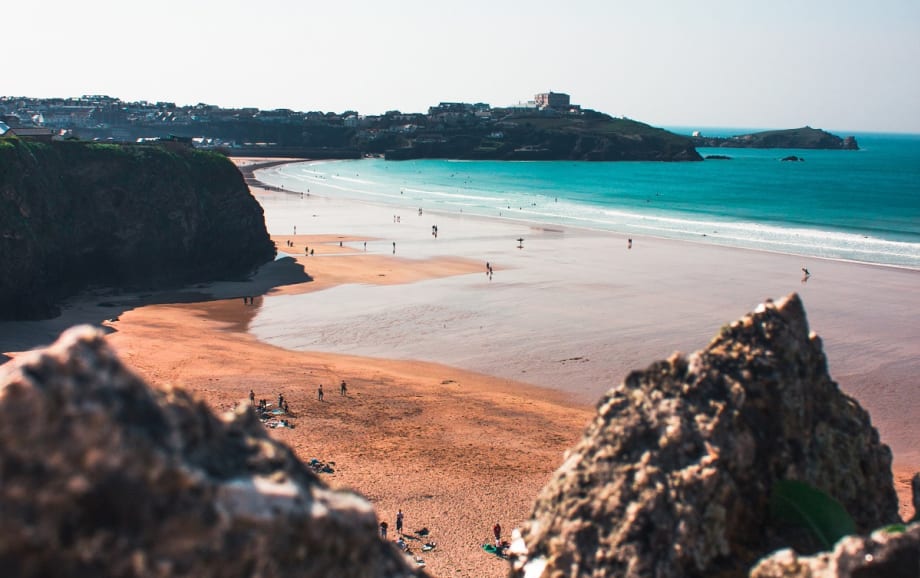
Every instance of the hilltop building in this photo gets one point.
(554, 100)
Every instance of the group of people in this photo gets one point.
(263, 403)
(399, 523)
(343, 390)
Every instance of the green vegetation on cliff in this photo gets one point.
(77, 214)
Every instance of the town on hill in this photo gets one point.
(549, 127)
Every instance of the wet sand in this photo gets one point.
(463, 392)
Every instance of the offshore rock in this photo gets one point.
(104, 476)
(673, 476)
(135, 217)
(891, 553)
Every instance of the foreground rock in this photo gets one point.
(102, 476)
(673, 477)
(884, 554)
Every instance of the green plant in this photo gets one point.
(796, 503)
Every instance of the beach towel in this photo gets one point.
(491, 549)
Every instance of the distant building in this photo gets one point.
(555, 100)
(33, 133)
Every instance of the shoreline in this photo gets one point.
(451, 445)
(846, 243)
(865, 313)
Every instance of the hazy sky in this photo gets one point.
(833, 64)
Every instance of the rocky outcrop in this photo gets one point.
(103, 476)
(887, 553)
(76, 214)
(674, 475)
(793, 138)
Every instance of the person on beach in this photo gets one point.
(629, 244)
(343, 389)
(319, 392)
(497, 531)
(280, 401)
(383, 529)
(394, 247)
(252, 397)
(399, 521)
(365, 245)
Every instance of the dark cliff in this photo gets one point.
(793, 138)
(588, 136)
(76, 214)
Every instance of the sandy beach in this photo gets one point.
(464, 390)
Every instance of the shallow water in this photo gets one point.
(853, 205)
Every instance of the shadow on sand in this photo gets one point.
(99, 306)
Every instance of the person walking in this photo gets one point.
(399, 522)
(319, 392)
(343, 389)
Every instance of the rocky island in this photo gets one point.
(78, 214)
(793, 138)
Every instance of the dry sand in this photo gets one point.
(561, 321)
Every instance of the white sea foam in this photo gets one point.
(402, 186)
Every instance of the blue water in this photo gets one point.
(853, 205)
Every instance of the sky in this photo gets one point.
(845, 65)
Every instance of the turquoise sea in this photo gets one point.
(853, 205)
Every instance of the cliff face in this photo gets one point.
(794, 138)
(74, 214)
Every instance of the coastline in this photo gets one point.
(746, 204)
(451, 444)
(672, 298)
(645, 303)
